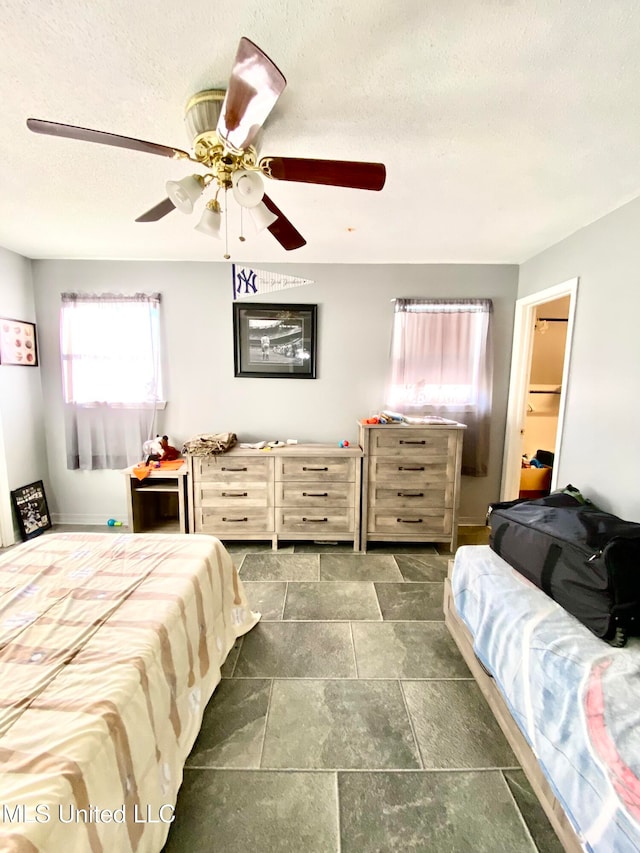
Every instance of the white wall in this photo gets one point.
(354, 326)
(602, 418)
(21, 407)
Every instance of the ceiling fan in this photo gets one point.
(224, 126)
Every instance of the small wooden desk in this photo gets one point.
(159, 502)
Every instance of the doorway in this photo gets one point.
(538, 416)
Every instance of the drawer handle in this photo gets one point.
(402, 441)
(410, 494)
(234, 469)
(305, 468)
(235, 519)
(234, 494)
(409, 520)
(315, 520)
(407, 468)
(315, 494)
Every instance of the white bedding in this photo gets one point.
(575, 698)
(110, 647)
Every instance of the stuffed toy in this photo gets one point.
(168, 451)
(158, 449)
(152, 450)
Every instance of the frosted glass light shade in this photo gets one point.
(184, 194)
(262, 217)
(210, 221)
(247, 188)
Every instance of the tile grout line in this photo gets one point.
(468, 678)
(423, 771)
(339, 827)
(235, 663)
(375, 592)
(517, 808)
(353, 649)
(410, 718)
(290, 621)
(266, 722)
(284, 602)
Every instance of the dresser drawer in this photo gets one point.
(314, 521)
(227, 469)
(232, 495)
(219, 521)
(394, 442)
(314, 494)
(411, 471)
(407, 523)
(318, 468)
(437, 496)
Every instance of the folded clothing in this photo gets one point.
(210, 444)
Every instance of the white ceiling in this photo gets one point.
(505, 125)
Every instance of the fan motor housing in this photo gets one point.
(203, 111)
(201, 119)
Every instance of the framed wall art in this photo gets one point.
(275, 341)
(31, 508)
(18, 343)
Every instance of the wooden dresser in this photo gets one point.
(295, 492)
(411, 482)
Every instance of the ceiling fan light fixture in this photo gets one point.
(247, 188)
(261, 216)
(184, 194)
(211, 220)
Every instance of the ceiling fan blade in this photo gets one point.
(335, 173)
(284, 232)
(157, 212)
(85, 134)
(256, 84)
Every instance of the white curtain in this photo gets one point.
(442, 364)
(112, 385)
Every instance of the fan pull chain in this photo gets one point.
(226, 227)
(241, 237)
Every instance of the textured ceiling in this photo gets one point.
(505, 125)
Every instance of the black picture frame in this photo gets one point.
(18, 343)
(31, 508)
(274, 341)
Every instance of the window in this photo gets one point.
(111, 376)
(441, 363)
(110, 349)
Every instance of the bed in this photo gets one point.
(110, 647)
(568, 703)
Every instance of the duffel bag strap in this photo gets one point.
(550, 562)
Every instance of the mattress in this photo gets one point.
(575, 699)
(110, 647)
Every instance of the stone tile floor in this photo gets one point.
(346, 721)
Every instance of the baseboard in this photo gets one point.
(471, 522)
(82, 520)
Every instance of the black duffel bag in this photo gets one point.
(585, 559)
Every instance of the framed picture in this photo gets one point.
(18, 343)
(276, 341)
(31, 509)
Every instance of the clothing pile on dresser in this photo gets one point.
(210, 444)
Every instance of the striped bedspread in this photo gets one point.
(110, 647)
(576, 699)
